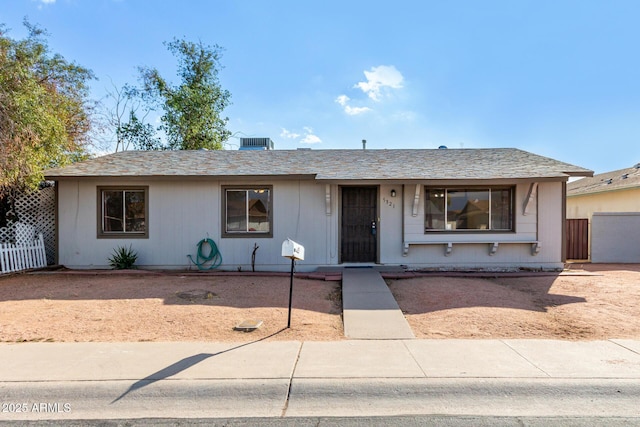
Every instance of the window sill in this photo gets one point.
(247, 235)
(123, 236)
(493, 245)
(461, 231)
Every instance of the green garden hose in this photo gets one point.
(213, 258)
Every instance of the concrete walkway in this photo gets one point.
(369, 310)
(344, 378)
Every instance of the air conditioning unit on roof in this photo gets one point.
(256, 144)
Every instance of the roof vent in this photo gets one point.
(442, 147)
(256, 144)
(608, 181)
(637, 166)
(304, 148)
(625, 176)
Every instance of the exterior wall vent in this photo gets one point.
(256, 144)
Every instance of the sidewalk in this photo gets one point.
(314, 359)
(282, 378)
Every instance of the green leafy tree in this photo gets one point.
(137, 133)
(191, 111)
(45, 114)
(121, 120)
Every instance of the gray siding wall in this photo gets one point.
(181, 213)
(615, 237)
(542, 223)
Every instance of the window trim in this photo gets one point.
(512, 190)
(245, 234)
(101, 234)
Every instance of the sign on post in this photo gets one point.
(293, 251)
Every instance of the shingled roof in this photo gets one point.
(396, 164)
(609, 181)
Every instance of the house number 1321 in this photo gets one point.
(388, 202)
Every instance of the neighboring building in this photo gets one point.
(439, 209)
(610, 204)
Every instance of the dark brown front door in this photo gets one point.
(359, 224)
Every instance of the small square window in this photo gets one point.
(123, 212)
(247, 212)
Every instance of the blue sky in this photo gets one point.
(557, 78)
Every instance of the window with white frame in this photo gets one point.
(247, 211)
(469, 209)
(123, 212)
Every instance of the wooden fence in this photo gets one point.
(577, 246)
(22, 257)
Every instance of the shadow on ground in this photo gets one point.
(434, 293)
(183, 365)
(237, 291)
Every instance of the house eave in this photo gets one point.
(139, 178)
(585, 174)
(442, 181)
(307, 177)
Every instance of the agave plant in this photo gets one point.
(123, 258)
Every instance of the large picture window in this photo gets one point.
(469, 209)
(247, 211)
(123, 212)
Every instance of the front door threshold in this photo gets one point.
(391, 268)
(358, 264)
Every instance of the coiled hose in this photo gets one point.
(210, 261)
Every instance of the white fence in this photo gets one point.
(38, 210)
(22, 257)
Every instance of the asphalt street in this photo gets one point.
(324, 398)
(400, 420)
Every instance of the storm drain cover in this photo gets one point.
(248, 325)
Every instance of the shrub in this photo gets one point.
(123, 258)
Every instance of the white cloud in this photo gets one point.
(343, 100)
(379, 78)
(310, 137)
(44, 3)
(354, 111)
(289, 135)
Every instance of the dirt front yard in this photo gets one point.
(587, 302)
(147, 306)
